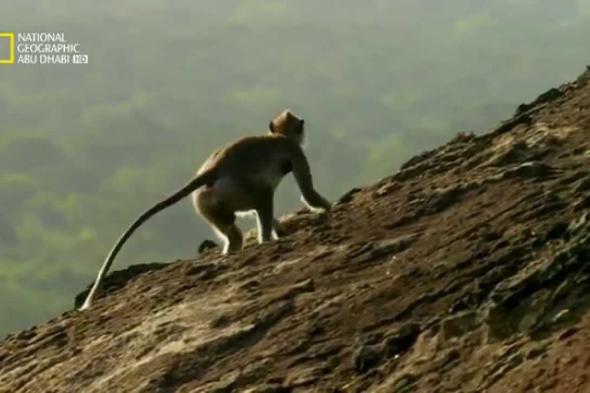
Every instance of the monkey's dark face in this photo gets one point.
(289, 125)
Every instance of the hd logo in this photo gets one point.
(6, 48)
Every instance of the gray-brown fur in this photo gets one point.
(239, 177)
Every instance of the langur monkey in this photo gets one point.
(240, 177)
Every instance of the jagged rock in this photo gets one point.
(393, 246)
(304, 377)
(269, 388)
(459, 324)
(400, 340)
(537, 350)
(530, 300)
(513, 154)
(301, 287)
(405, 383)
(391, 344)
(387, 189)
(579, 224)
(348, 197)
(444, 198)
(365, 357)
(528, 170)
(118, 280)
(548, 96)
(583, 185)
(557, 231)
(561, 316)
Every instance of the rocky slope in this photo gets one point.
(468, 270)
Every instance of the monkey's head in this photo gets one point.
(289, 125)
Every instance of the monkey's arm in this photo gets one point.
(302, 173)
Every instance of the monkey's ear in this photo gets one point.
(271, 126)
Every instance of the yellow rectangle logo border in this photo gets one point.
(10, 37)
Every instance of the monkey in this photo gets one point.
(240, 177)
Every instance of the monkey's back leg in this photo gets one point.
(220, 216)
(267, 224)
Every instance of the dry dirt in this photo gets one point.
(466, 271)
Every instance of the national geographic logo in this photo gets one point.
(44, 48)
(7, 48)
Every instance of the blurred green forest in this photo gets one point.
(83, 149)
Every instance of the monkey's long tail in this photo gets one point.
(199, 181)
